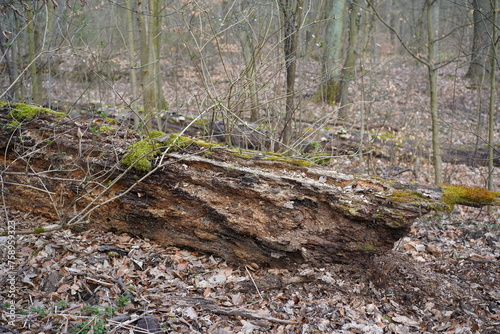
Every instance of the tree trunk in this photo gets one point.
(394, 21)
(491, 114)
(5, 50)
(350, 62)
(432, 7)
(249, 54)
(133, 64)
(292, 17)
(156, 31)
(245, 208)
(328, 90)
(36, 93)
(147, 65)
(481, 39)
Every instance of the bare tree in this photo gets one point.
(432, 64)
(348, 72)
(481, 41)
(334, 28)
(492, 104)
(292, 17)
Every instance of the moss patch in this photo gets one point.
(39, 230)
(319, 158)
(140, 154)
(26, 112)
(470, 196)
(177, 142)
(369, 249)
(106, 129)
(415, 198)
(292, 161)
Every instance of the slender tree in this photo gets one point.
(491, 114)
(347, 74)
(133, 64)
(432, 9)
(36, 87)
(249, 54)
(292, 17)
(432, 64)
(334, 28)
(153, 100)
(481, 41)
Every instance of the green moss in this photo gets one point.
(384, 136)
(140, 154)
(177, 142)
(241, 155)
(415, 198)
(293, 161)
(106, 128)
(39, 230)
(319, 158)
(391, 218)
(208, 154)
(369, 248)
(470, 196)
(273, 154)
(405, 195)
(110, 120)
(26, 112)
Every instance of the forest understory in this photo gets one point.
(442, 278)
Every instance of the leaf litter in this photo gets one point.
(442, 277)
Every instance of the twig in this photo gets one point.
(4, 328)
(251, 278)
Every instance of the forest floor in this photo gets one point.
(444, 277)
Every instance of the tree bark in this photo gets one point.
(432, 9)
(481, 41)
(292, 17)
(492, 104)
(350, 62)
(133, 63)
(244, 208)
(36, 93)
(249, 54)
(328, 90)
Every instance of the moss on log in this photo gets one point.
(190, 193)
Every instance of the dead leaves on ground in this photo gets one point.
(444, 277)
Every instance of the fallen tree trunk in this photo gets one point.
(244, 206)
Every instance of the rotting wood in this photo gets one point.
(242, 207)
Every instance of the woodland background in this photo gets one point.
(281, 71)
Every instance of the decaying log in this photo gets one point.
(246, 207)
